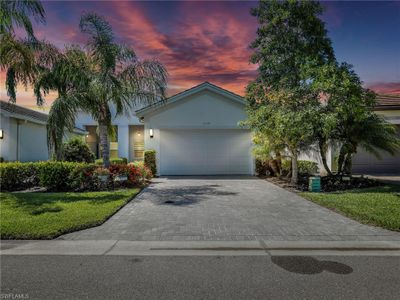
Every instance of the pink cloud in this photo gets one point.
(390, 88)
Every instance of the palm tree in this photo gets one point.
(373, 134)
(94, 78)
(17, 55)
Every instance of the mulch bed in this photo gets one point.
(328, 184)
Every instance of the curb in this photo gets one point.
(172, 248)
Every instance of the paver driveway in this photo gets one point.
(226, 209)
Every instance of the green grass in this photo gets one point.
(378, 206)
(48, 215)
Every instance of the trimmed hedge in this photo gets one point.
(150, 160)
(69, 176)
(114, 161)
(56, 175)
(18, 176)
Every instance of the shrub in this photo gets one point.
(114, 161)
(119, 170)
(18, 176)
(307, 167)
(82, 178)
(69, 176)
(261, 167)
(304, 166)
(56, 175)
(99, 171)
(150, 160)
(139, 173)
(268, 167)
(77, 150)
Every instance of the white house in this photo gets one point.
(195, 132)
(366, 163)
(23, 134)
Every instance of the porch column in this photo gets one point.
(123, 141)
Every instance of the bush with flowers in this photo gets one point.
(139, 173)
(71, 176)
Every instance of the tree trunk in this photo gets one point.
(342, 156)
(322, 150)
(104, 145)
(57, 146)
(348, 163)
(295, 171)
(279, 162)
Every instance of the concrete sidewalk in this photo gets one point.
(161, 248)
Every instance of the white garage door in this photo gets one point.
(366, 163)
(205, 152)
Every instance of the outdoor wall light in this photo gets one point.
(1, 134)
(151, 133)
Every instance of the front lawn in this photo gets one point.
(379, 206)
(48, 215)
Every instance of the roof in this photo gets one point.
(387, 102)
(203, 86)
(23, 113)
(17, 110)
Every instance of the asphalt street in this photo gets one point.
(199, 277)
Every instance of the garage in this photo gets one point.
(366, 163)
(199, 132)
(205, 152)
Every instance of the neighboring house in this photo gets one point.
(366, 163)
(363, 162)
(23, 134)
(195, 132)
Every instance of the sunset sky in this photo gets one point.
(208, 40)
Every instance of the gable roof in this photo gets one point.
(193, 90)
(387, 102)
(23, 113)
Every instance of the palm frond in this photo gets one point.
(18, 12)
(101, 40)
(61, 118)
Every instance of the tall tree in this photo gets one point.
(104, 74)
(290, 46)
(16, 54)
(346, 117)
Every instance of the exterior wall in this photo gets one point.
(33, 142)
(392, 116)
(23, 141)
(314, 155)
(204, 110)
(8, 145)
(123, 122)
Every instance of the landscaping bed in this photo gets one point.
(61, 176)
(48, 215)
(378, 206)
(328, 184)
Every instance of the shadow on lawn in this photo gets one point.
(39, 203)
(373, 190)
